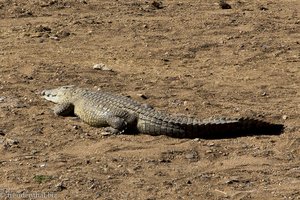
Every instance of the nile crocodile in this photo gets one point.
(120, 114)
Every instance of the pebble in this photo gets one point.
(54, 38)
(191, 156)
(157, 5)
(11, 141)
(211, 144)
(224, 5)
(60, 186)
(102, 67)
(2, 98)
(106, 133)
(284, 117)
(263, 8)
(142, 96)
(76, 127)
(232, 180)
(263, 94)
(43, 165)
(208, 151)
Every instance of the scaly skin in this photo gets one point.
(102, 109)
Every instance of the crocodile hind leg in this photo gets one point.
(64, 109)
(116, 125)
(120, 122)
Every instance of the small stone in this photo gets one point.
(196, 139)
(43, 165)
(76, 127)
(284, 117)
(263, 8)
(164, 160)
(157, 5)
(224, 5)
(11, 142)
(233, 180)
(41, 28)
(106, 133)
(208, 151)
(102, 67)
(2, 98)
(60, 186)
(211, 144)
(191, 156)
(62, 34)
(54, 38)
(142, 96)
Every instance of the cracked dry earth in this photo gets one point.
(189, 57)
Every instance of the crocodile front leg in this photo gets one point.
(64, 109)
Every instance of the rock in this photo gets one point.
(284, 117)
(224, 5)
(102, 67)
(43, 165)
(232, 180)
(190, 156)
(60, 187)
(210, 144)
(54, 38)
(62, 34)
(157, 5)
(263, 8)
(106, 133)
(193, 155)
(76, 127)
(2, 98)
(2, 133)
(42, 28)
(142, 96)
(11, 142)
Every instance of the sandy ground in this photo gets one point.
(189, 57)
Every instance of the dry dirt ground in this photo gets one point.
(189, 57)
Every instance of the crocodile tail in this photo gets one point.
(226, 128)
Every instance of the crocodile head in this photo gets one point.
(59, 95)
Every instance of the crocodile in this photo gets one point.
(121, 114)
